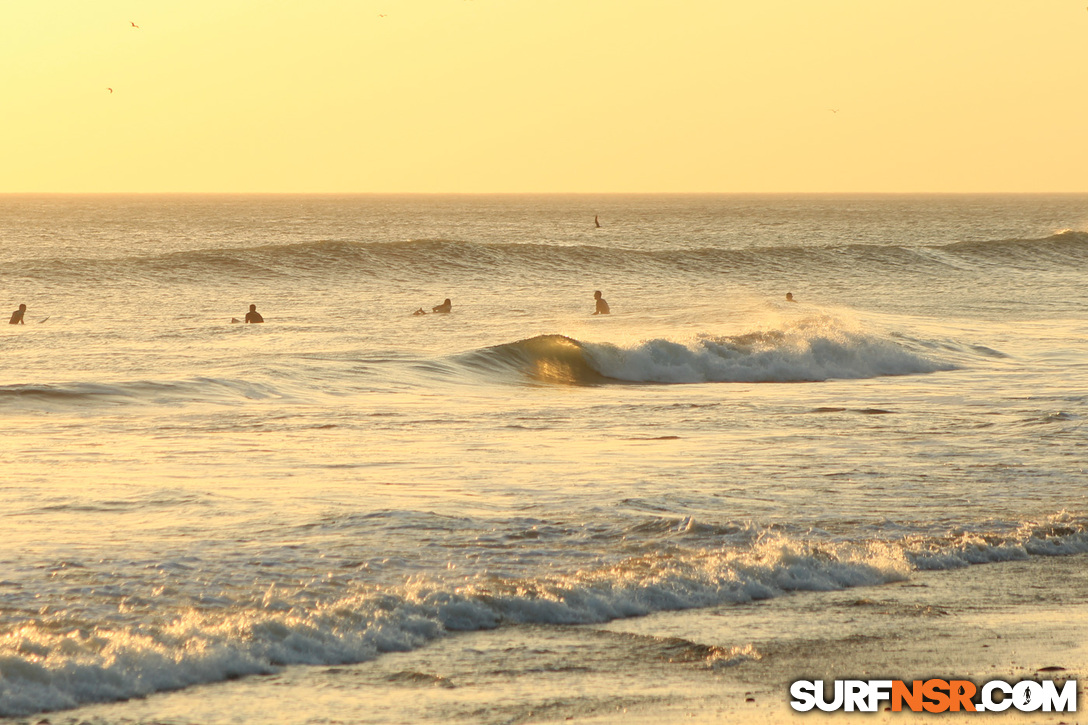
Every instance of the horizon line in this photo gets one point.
(543, 193)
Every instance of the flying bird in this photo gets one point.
(833, 110)
(110, 90)
(133, 24)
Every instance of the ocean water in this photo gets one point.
(186, 501)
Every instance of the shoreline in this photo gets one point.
(732, 663)
(991, 621)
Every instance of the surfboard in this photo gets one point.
(234, 319)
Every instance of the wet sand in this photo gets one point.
(965, 624)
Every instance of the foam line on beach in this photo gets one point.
(59, 664)
(62, 661)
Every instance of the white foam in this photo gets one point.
(720, 657)
(1057, 535)
(809, 350)
(44, 666)
(49, 664)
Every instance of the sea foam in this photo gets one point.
(56, 663)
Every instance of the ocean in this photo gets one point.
(355, 514)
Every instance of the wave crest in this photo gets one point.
(133, 392)
(65, 661)
(808, 351)
(544, 358)
(422, 256)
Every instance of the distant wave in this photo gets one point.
(811, 350)
(65, 662)
(1065, 247)
(306, 259)
(424, 256)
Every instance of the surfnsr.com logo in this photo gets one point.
(935, 696)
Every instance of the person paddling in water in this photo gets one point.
(444, 307)
(602, 306)
(789, 297)
(253, 315)
(17, 316)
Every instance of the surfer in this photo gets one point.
(253, 315)
(596, 221)
(419, 312)
(444, 307)
(789, 297)
(602, 306)
(17, 316)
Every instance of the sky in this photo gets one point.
(528, 96)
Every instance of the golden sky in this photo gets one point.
(543, 95)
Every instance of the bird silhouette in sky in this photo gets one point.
(133, 24)
(110, 90)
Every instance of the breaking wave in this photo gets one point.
(812, 350)
(809, 350)
(65, 660)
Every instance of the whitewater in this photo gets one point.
(190, 505)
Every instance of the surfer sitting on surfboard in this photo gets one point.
(17, 316)
(602, 306)
(444, 307)
(253, 315)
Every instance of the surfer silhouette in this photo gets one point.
(17, 316)
(253, 315)
(444, 307)
(789, 297)
(602, 306)
(596, 221)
